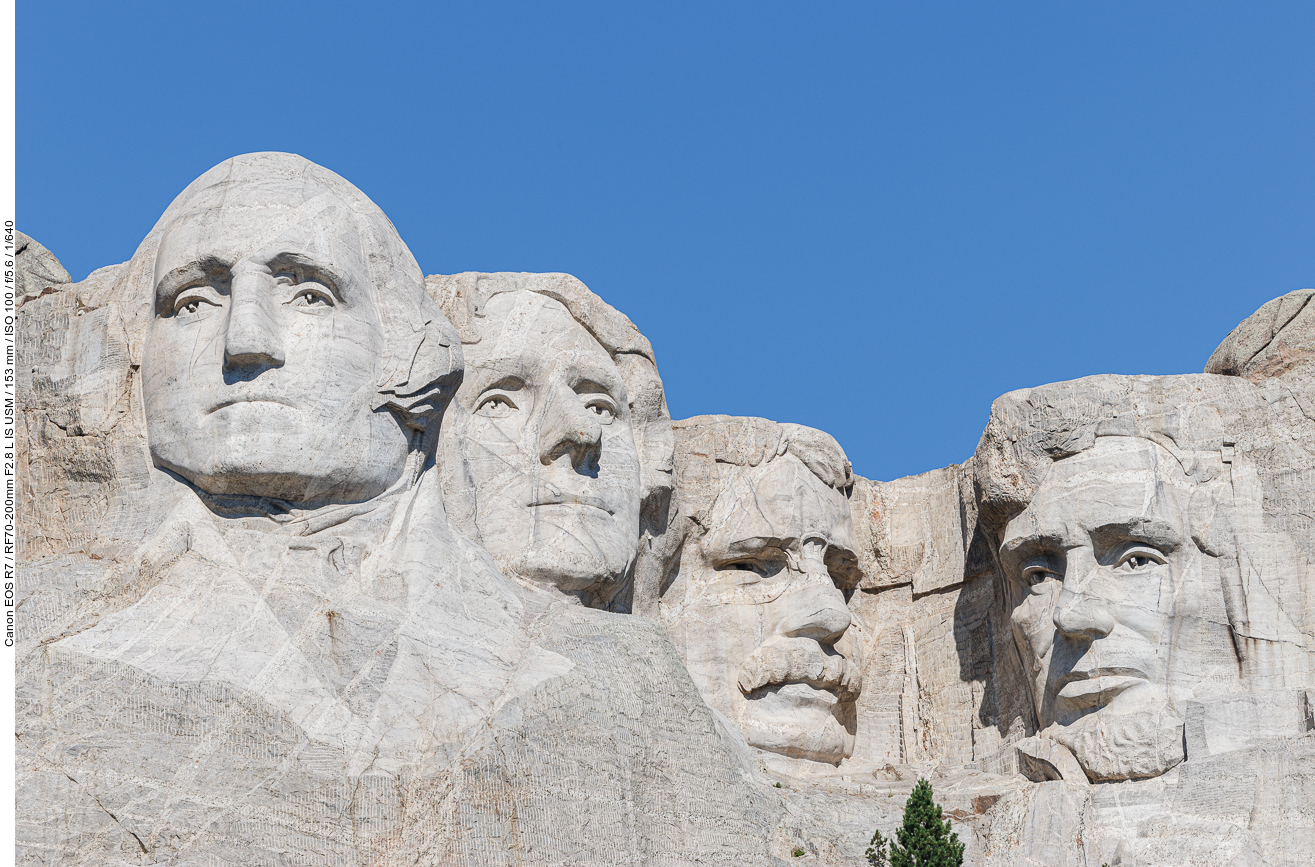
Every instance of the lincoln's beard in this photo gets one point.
(1131, 745)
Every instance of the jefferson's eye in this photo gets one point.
(195, 299)
(495, 406)
(1139, 559)
(602, 409)
(312, 295)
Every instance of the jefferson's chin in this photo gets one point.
(571, 546)
(799, 721)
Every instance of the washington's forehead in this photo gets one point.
(232, 233)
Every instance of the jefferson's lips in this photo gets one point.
(573, 500)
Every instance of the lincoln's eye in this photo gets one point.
(495, 406)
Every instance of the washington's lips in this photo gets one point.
(773, 664)
(254, 398)
(563, 499)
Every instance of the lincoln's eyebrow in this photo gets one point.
(1016, 548)
(183, 276)
(1154, 532)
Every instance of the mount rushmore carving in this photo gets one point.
(327, 562)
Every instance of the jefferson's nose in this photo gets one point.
(568, 427)
(817, 611)
(1079, 615)
(253, 337)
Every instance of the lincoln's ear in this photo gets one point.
(424, 375)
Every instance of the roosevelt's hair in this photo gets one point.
(709, 447)
(421, 364)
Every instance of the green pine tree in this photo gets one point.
(876, 853)
(925, 840)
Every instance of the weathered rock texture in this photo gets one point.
(324, 562)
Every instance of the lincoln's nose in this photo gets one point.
(1079, 615)
(253, 338)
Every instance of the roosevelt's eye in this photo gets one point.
(750, 570)
(312, 295)
(495, 406)
(195, 299)
(1139, 558)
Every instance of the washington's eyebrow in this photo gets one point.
(303, 264)
(1156, 533)
(186, 275)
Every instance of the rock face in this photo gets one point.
(326, 562)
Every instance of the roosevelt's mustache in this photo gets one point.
(800, 661)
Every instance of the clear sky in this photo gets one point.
(870, 218)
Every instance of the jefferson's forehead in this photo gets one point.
(528, 334)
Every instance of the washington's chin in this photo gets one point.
(799, 721)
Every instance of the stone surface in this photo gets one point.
(325, 562)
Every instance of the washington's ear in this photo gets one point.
(424, 376)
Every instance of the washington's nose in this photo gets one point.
(817, 612)
(1079, 615)
(252, 338)
(569, 428)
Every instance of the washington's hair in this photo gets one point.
(421, 364)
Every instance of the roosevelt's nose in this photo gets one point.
(817, 611)
(253, 337)
(568, 427)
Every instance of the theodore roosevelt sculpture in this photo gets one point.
(755, 601)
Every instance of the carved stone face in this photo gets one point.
(1103, 576)
(260, 374)
(762, 624)
(548, 444)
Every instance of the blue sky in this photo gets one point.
(869, 218)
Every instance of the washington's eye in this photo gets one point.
(1139, 559)
(495, 406)
(195, 299)
(312, 295)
